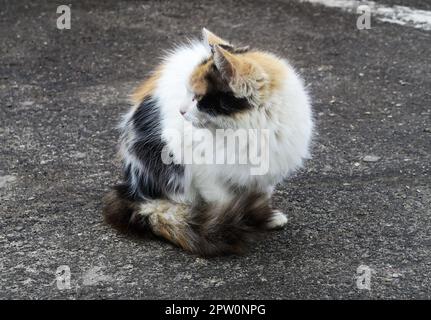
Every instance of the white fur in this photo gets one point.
(278, 220)
(286, 115)
(288, 119)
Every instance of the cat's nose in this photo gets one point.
(182, 112)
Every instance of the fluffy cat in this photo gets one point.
(209, 208)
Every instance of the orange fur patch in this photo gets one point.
(231, 65)
(198, 81)
(264, 68)
(147, 87)
(175, 231)
(272, 66)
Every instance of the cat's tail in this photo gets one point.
(207, 230)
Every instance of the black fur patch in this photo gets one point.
(219, 98)
(120, 209)
(229, 229)
(222, 103)
(156, 180)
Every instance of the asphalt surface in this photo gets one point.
(61, 94)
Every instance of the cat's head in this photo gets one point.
(230, 83)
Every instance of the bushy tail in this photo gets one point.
(206, 230)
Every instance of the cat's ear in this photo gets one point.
(210, 39)
(230, 65)
(244, 77)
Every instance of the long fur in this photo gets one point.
(209, 209)
(207, 230)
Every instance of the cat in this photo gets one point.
(209, 208)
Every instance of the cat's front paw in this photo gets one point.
(278, 220)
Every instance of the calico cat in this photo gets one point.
(209, 208)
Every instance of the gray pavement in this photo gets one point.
(61, 94)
